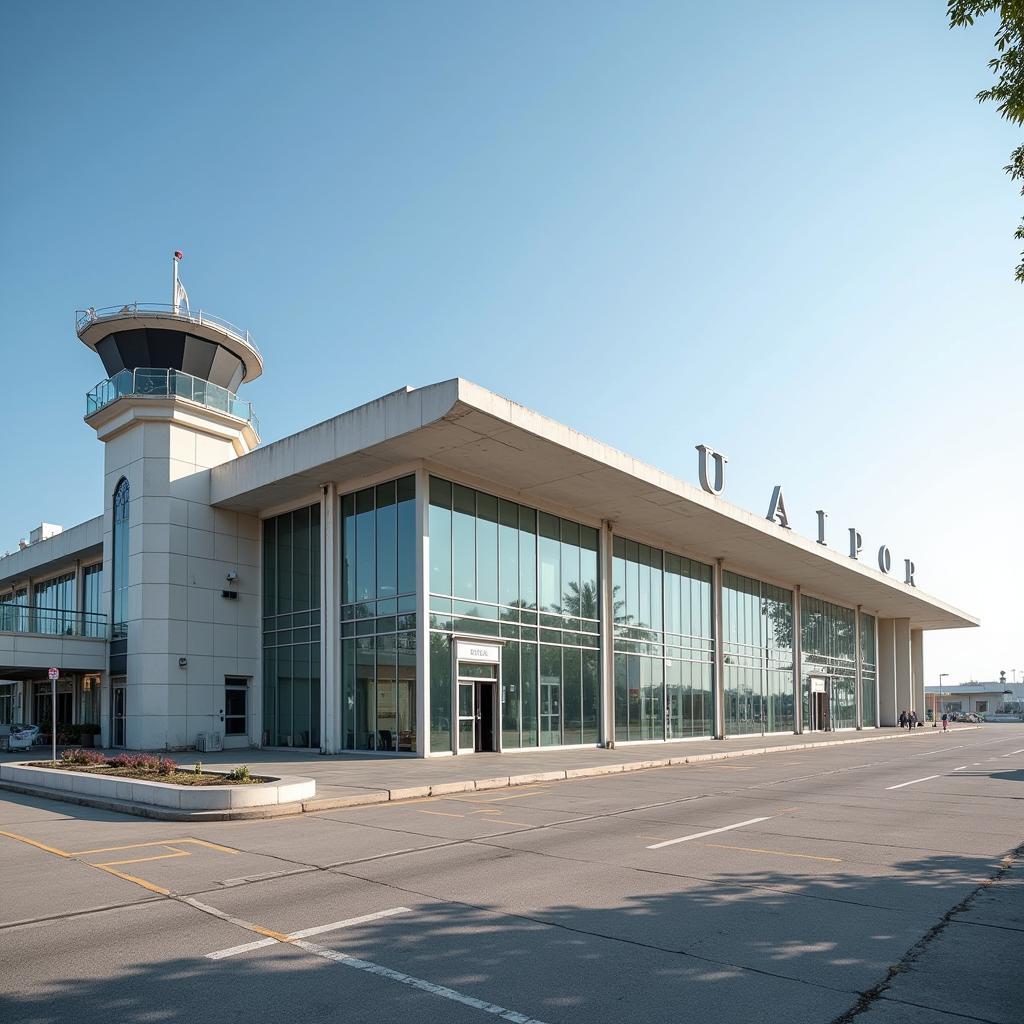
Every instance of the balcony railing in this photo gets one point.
(26, 618)
(160, 310)
(156, 383)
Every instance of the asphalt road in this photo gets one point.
(876, 882)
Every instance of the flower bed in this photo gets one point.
(147, 768)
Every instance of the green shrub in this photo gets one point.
(239, 774)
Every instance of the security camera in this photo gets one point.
(232, 576)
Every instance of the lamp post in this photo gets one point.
(938, 709)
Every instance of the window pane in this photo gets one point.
(508, 553)
(366, 547)
(407, 535)
(487, 548)
(440, 536)
(550, 563)
(387, 541)
(464, 540)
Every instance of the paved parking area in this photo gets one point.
(825, 885)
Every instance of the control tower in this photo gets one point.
(167, 412)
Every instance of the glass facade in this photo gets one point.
(291, 629)
(92, 591)
(54, 602)
(14, 611)
(378, 612)
(663, 644)
(868, 672)
(119, 570)
(829, 648)
(757, 648)
(503, 570)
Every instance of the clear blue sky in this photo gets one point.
(782, 230)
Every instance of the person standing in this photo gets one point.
(912, 724)
(903, 719)
(945, 721)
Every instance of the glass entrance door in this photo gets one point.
(478, 706)
(467, 716)
(117, 716)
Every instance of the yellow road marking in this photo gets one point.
(505, 821)
(443, 814)
(489, 810)
(777, 853)
(130, 878)
(142, 860)
(155, 842)
(38, 846)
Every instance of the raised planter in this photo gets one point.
(287, 789)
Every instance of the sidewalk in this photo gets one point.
(345, 780)
(348, 780)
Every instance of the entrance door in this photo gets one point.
(117, 716)
(486, 706)
(821, 713)
(478, 707)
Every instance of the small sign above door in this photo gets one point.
(471, 650)
(817, 684)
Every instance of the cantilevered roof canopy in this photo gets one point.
(464, 427)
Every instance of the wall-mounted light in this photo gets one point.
(183, 663)
(232, 576)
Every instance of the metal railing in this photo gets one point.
(28, 618)
(85, 317)
(158, 383)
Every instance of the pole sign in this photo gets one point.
(54, 674)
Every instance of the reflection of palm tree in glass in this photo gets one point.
(582, 601)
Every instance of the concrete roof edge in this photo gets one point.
(65, 545)
(483, 400)
(404, 410)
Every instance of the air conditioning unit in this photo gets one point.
(209, 742)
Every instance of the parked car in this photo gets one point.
(22, 736)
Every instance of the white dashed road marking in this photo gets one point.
(710, 832)
(913, 782)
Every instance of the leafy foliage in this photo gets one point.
(1008, 68)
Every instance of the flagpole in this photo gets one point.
(174, 285)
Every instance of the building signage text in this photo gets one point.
(711, 473)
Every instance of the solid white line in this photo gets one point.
(1012, 752)
(961, 768)
(710, 832)
(425, 986)
(320, 928)
(222, 954)
(941, 750)
(913, 782)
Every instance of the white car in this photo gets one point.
(22, 736)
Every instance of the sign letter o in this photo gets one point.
(884, 559)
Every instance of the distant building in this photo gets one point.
(994, 698)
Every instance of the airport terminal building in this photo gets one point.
(437, 572)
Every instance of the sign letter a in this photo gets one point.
(777, 509)
(711, 486)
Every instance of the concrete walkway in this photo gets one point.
(348, 780)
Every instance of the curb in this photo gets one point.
(384, 796)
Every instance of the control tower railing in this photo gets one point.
(158, 383)
(85, 317)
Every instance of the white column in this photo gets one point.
(422, 612)
(917, 672)
(798, 650)
(606, 544)
(719, 651)
(857, 674)
(330, 622)
(888, 711)
(904, 673)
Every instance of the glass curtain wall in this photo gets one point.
(92, 590)
(505, 570)
(378, 627)
(868, 672)
(14, 611)
(829, 648)
(54, 601)
(119, 570)
(757, 635)
(663, 644)
(291, 629)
